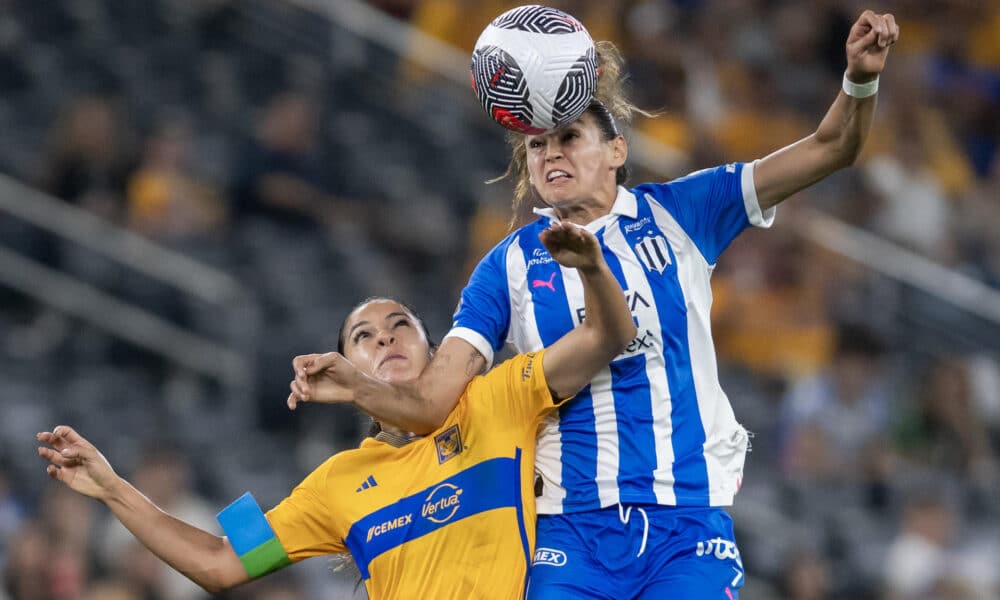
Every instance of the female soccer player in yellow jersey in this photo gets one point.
(447, 515)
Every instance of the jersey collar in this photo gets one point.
(395, 440)
(625, 205)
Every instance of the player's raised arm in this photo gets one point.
(204, 558)
(572, 361)
(840, 136)
(423, 405)
(420, 406)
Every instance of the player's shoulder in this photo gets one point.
(706, 175)
(516, 368)
(343, 463)
(501, 247)
(531, 228)
(525, 234)
(687, 184)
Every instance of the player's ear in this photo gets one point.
(619, 151)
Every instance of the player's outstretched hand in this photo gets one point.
(571, 245)
(77, 463)
(868, 45)
(326, 378)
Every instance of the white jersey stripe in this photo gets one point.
(640, 297)
(523, 331)
(717, 418)
(605, 419)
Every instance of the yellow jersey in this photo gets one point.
(449, 515)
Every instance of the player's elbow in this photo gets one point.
(614, 340)
(219, 571)
(626, 335)
(215, 582)
(212, 588)
(618, 339)
(841, 151)
(847, 156)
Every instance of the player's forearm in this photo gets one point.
(836, 144)
(845, 128)
(423, 406)
(608, 319)
(399, 405)
(607, 329)
(204, 558)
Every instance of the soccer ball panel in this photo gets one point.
(534, 69)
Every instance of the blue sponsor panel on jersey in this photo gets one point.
(489, 485)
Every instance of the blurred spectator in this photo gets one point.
(769, 311)
(947, 432)
(90, 158)
(111, 589)
(831, 418)
(913, 206)
(166, 200)
(278, 586)
(165, 475)
(12, 510)
(67, 525)
(807, 577)
(756, 121)
(25, 573)
(976, 217)
(68, 521)
(917, 563)
(282, 176)
(141, 571)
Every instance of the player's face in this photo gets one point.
(386, 341)
(573, 164)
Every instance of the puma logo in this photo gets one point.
(537, 283)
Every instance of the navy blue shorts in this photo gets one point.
(616, 553)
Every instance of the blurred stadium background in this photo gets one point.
(193, 192)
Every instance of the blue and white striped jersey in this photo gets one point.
(654, 426)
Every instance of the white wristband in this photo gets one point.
(860, 90)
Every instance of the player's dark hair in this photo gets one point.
(609, 107)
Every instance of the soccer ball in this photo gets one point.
(534, 68)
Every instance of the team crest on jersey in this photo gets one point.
(448, 443)
(654, 253)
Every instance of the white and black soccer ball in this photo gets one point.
(534, 68)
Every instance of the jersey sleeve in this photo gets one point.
(713, 205)
(483, 314)
(300, 526)
(305, 523)
(516, 390)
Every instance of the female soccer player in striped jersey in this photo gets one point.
(448, 515)
(634, 472)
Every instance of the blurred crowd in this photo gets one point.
(319, 167)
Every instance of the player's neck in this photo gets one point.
(587, 210)
(584, 212)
